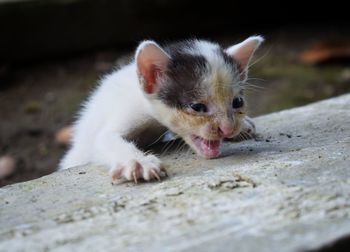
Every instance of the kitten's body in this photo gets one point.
(137, 104)
(118, 106)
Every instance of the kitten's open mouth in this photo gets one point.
(207, 148)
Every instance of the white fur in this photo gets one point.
(116, 107)
(210, 52)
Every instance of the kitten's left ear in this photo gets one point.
(243, 53)
(151, 61)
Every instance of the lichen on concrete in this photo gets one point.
(286, 191)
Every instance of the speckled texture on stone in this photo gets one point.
(287, 192)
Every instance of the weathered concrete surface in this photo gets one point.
(288, 192)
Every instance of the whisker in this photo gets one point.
(248, 84)
(147, 152)
(260, 58)
(255, 79)
(183, 146)
(178, 147)
(248, 136)
(158, 139)
(254, 89)
(167, 147)
(239, 137)
(242, 136)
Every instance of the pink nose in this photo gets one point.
(226, 128)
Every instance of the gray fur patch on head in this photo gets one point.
(183, 76)
(229, 60)
(191, 66)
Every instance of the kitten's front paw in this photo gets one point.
(147, 168)
(248, 127)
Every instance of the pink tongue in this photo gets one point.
(210, 148)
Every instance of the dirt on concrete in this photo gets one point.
(289, 194)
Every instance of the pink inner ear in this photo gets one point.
(151, 62)
(149, 74)
(243, 52)
(243, 60)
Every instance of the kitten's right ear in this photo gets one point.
(243, 52)
(151, 61)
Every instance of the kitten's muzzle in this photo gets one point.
(226, 131)
(224, 128)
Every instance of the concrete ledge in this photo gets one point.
(287, 192)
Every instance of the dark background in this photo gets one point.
(53, 52)
(36, 29)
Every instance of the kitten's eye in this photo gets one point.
(199, 107)
(237, 102)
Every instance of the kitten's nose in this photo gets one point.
(226, 128)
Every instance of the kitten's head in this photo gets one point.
(196, 88)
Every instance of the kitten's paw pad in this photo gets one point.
(145, 168)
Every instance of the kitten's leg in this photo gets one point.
(124, 159)
(248, 126)
(78, 155)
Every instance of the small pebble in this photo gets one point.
(64, 135)
(7, 166)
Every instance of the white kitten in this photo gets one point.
(194, 88)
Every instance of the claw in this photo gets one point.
(155, 174)
(134, 176)
(116, 173)
(163, 170)
(135, 171)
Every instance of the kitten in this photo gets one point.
(193, 88)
